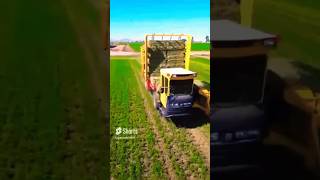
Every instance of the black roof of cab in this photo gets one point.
(226, 33)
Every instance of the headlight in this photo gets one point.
(247, 134)
(215, 136)
(228, 137)
(254, 133)
(235, 136)
(269, 43)
(241, 134)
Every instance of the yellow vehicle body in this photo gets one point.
(305, 100)
(168, 75)
(175, 56)
(246, 9)
(145, 58)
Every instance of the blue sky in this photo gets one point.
(131, 19)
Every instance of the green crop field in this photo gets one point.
(127, 111)
(202, 67)
(195, 46)
(297, 24)
(52, 104)
(200, 47)
(160, 149)
(136, 46)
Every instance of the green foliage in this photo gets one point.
(51, 118)
(157, 169)
(176, 146)
(202, 67)
(200, 46)
(297, 24)
(136, 46)
(128, 111)
(150, 137)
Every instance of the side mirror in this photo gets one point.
(161, 90)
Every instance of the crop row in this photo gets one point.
(137, 157)
(186, 159)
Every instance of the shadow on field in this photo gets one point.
(196, 119)
(309, 75)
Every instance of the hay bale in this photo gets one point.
(165, 54)
(167, 45)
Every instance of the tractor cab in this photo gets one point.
(238, 72)
(176, 91)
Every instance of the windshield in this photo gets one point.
(238, 80)
(181, 86)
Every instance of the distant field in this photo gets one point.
(202, 67)
(195, 46)
(200, 47)
(313, 4)
(297, 23)
(52, 104)
(136, 46)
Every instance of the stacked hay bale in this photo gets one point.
(165, 54)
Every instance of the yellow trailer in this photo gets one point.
(165, 60)
(153, 60)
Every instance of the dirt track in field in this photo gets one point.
(201, 54)
(202, 142)
(194, 135)
(168, 167)
(192, 125)
(123, 50)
